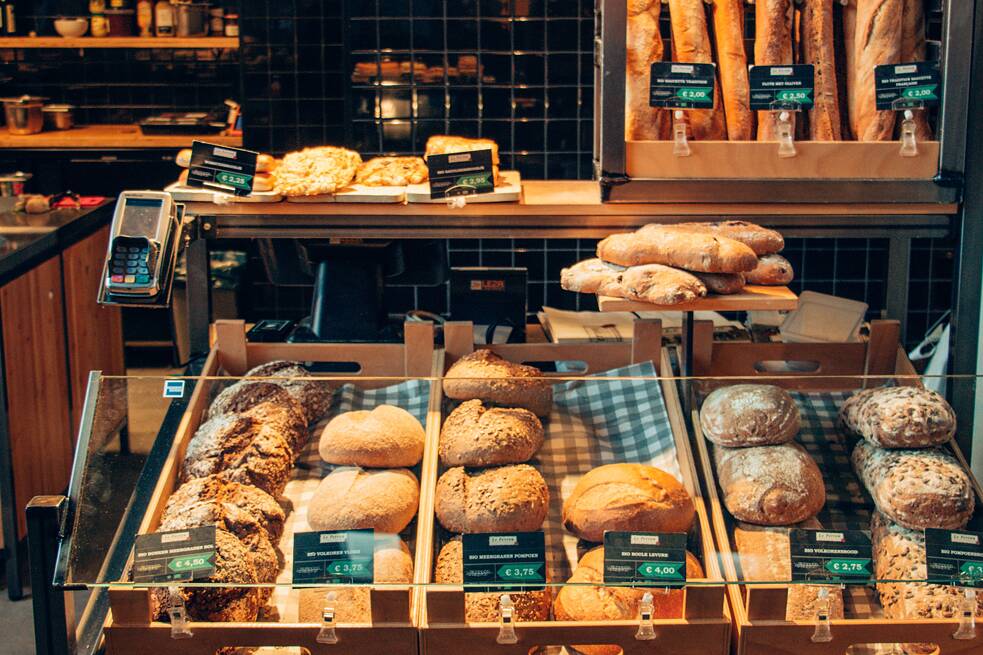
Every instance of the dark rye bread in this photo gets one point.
(899, 417)
(670, 246)
(483, 375)
(269, 402)
(501, 499)
(475, 435)
(260, 505)
(749, 415)
(313, 395)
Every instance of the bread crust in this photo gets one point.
(485, 376)
(818, 50)
(722, 283)
(511, 498)
(691, 44)
(643, 48)
(384, 437)
(913, 49)
(761, 240)
(899, 417)
(352, 499)
(593, 276)
(260, 505)
(749, 415)
(692, 251)
(475, 435)
(877, 41)
(728, 28)
(661, 285)
(772, 270)
(772, 47)
(392, 171)
(313, 395)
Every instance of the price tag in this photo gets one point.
(461, 173)
(334, 557)
(905, 86)
(221, 168)
(682, 86)
(176, 556)
(509, 561)
(827, 555)
(954, 555)
(782, 87)
(645, 559)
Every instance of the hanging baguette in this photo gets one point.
(850, 64)
(691, 45)
(642, 122)
(728, 29)
(772, 47)
(913, 49)
(817, 49)
(877, 42)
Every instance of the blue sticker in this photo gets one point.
(174, 388)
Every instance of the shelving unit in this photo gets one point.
(107, 137)
(118, 42)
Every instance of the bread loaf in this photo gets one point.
(772, 47)
(817, 49)
(440, 144)
(693, 251)
(899, 417)
(268, 402)
(772, 270)
(722, 283)
(482, 607)
(385, 437)
(217, 489)
(483, 375)
(475, 435)
(313, 395)
(850, 64)
(749, 415)
(629, 497)
(691, 45)
(877, 42)
(728, 31)
(353, 499)
(501, 499)
(919, 489)
(761, 240)
(660, 285)
(913, 49)
(643, 48)
(593, 276)
(770, 485)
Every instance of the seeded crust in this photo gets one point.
(484, 607)
(501, 499)
(242, 447)
(313, 395)
(483, 375)
(385, 500)
(475, 435)
(215, 488)
(918, 489)
(268, 402)
(899, 417)
(749, 415)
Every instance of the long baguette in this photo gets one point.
(913, 49)
(877, 41)
(772, 47)
(728, 30)
(692, 251)
(691, 45)
(644, 47)
(849, 20)
(817, 49)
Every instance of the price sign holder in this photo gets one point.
(955, 556)
(645, 559)
(504, 561)
(174, 556)
(460, 174)
(680, 87)
(782, 90)
(334, 557)
(907, 88)
(830, 555)
(222, 168)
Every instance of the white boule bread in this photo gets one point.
(483, 375)
(482, 607)
(502, 499)
(899, 417)
(350, 498)
(627, 497)
(475, 435)
(749, 415)
(383, 437)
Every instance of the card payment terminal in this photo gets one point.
(140, 247)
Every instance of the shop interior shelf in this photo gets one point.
(752, 298)
(107, 137)
(119, 42)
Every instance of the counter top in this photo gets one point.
(108, 137)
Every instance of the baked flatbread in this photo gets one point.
(316, 171)
(391, 171)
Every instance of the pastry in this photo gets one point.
(445, 145)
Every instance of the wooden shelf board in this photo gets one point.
(107, 137)
(753, 298)
(118, 42)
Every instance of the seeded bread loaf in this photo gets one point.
(313, 395)
(761, 240)
(749, 415)
(475, 435)
(385, 437)
(501, 499)
(772, 270)
(918, 489)
(385, 500)
(629, 497)
(689, 250)
(269, 403)
(217, 489)
(483, 375)
(899, 417)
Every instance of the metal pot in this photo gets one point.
(192, 19)
(59, 117)
(23, 114)
(13, 184)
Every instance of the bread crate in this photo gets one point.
(704, 626)
(760, 626)
(129, 629)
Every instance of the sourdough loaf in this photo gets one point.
(483, 375)
(219, 490)
(384, 437)
(278, 404)
(899, 417)
(385, 500)
(728, 30)
(502, 499)
(749, 415)
(761, 240)
(722, 283)
(690, 250)
(475, 435)
(593, 276)
(772, 270)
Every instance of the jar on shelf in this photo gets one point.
(232, 25)
(216, 21)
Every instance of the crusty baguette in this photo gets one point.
(772, 47)
(644, 47)
(593, 276)
(661, 285)
(817, 49)
(691, 45)
(722, 283)
(877, 42)
(761, 240)
(913, 49)
(728, 30)
(849, 63)
(693, 251)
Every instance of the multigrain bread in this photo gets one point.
(772, 270)
(691, 45)
(352, 499)
(770, 485)
(483, 375)
(728, 29)
(899, 417)
(877, 41)
(630, 497)
(818, 49)
(661, 285)
(475, 435)
(383, 437)
(266, 402)
(772, 47)
(918, 489)
(689, 250)
(313, 395)
(482, 607)
(260, 505)
(643, 47)
(593, 276)
(749, 415)
(761, 240)
(722, 283)
(913, 49)
(502, 499)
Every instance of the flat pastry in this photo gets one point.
(391, 171)
(316, 171)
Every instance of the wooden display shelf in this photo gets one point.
(108, 137)
(752, 298)
(119, 42)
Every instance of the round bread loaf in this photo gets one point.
(900, 417)
(385, 437)
(353, 499)
(268, 402)
(501, 499)
(480, 607)
(475, 435)
(772, 270)
(244, 448)
(749, 415)
(770, 485)
(260, 505)
(629, 497)
(313, 395)
(483, 375)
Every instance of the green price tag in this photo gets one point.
(520, 572)
(920, 93)
(848, 566)
(972, 570)
(190, 562)
(235, 180)
(662, 570)
(347, 568)
(789, 95)
(696, 93)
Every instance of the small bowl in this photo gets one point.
(71, 28)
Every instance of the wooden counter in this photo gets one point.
(106, 137)
(190, 43)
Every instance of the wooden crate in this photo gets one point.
(129, 629)
(705, 627)
(758, 610)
